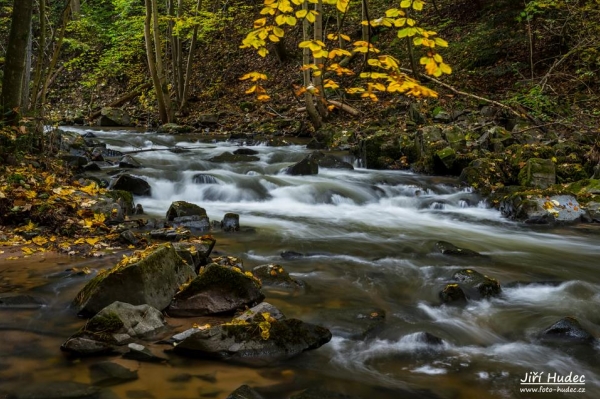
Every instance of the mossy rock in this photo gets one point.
(470, 284)
(446, 248)
(272, 275)
(570, 172)
(379, 150)
(121, 195)
(567, 330)
(538, 173)
(183, 208)
(217, 289)
(228, 157)
(484, 174)
(444, 161)
(152, 278)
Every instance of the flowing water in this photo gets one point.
(370, 238)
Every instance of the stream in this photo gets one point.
(370, 236)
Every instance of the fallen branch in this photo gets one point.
(344, 107)
(123, 99)
(164, 149)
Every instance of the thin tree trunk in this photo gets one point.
(314, 116)
(75, 9)
(188, 70)
(179, 55)
(162, 112)
(16, 54)
(160, 70)
(55, 56)
(27, 73)
(37, 80)
(318, 80)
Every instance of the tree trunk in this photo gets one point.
(75, 9)
(27, 73)
(162, 111)
(160, 70)
(314, 116)
(37, 80)
(318, 80)
(16, 55)
(188, 69)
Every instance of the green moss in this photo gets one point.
(223, 277)
(102, 327)
(123, 195)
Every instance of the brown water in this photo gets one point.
(372, 235)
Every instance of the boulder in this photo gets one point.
(566, 330)
(542, 209)
(231, 222)
(254, 314)
(202, 178)
(350, 323)
(444, 161)
(142, 354)
(256, 344)
(538, 173)
(447, 248)
(129, 162)
(135, 185)
(228, 157)
(110, 373)
(186, 214)
(196, 252)
(151, 277)
(245, 151)
(304, 167)
(229, 261)
(470, 284)
(116, 324)
(170, 234)
(20, 301)
(272, 275)
(329, 161)
(379, 150)
(110, 116)
(217, 289)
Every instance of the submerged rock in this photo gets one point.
(566, 330)
(349, 323)
(20, 301)
(247, 343)
(470, 284)
(186, 214)
(273, 275)
(447, 248)
(231, 222)
(304, 167)
(228, 157)
(57, 390)
(152, 278)
(329, 161)
(244, 392)
(217, 289)
(109, 373)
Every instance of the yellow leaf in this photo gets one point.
(263, 51)
(280, 19)
(91, 189)
(290, 20)
(251, 90)
(30, 226)
(301, 13)
(417, 5)
(92, 241)
(12, 258)
(311, 17)
(445, 68)
(263, 97)
(277, 31)
(342, 5)
(79, 241)
(39, 240)
(405, 3)
(27, 250)
(273, 38)
(259, 23)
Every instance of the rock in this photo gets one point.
(429, 339)
(442, 117)
(245, 151)
(173, 128)
(593, 209)
(349, 323)
(134, 185)
(538, 173)
(74, 161)
(170, 234)
(228, 157)
(112, 210)
(208, 119)
(82, 346)
(447, 248)
(202, 178)
(56, 390)
(329, 161)
(186, 214)
(92, 167)
(566, 330)
(129, 162)
(445, 160)
(315, 145)
(151, 278)
(217, 289)
(483, 174)
(196, 253)
(470, 284)
(113, 117)
(231, 222)
(20, 301)
(414, 115)
(542, 209)
(304, 167)
(254, 314)
(142, 354)
(244, 392)
(244, 343)
(123, 198)
(229, 261)
(109, 373)
(129, 237)
(272, 275)
(455, 136)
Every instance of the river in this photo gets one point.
(371, 239)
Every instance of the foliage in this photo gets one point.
(384, 74)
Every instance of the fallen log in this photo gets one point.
(123, 99)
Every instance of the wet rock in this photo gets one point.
(57, 390)
(483, 174)
(142, 354)
(329, 161)
(129, 162)
(255, 312)
(273, 275)
(566, 330)
(321, 393)
(447, 248)
(135, 185)
(129, 237)
(74, 161)
(217, 289)
(109, 373)
(455, 136)
(229, 261)
(196, 253)
(20, 301)
(444, 161)
(173, 128)
(202, 178)
(351, 323)
(245, 151)
(244, 392)
(315, 145)
(82, 346)
(170, 234)
(186, 214)
(542, 209)
(429, 339)
(92, 167)
(112, 210)
(244, 343)
(593, 209)
(113, 117)
(288, 255)
(302, 168)
(228, 157)
(231, 222)
(470, 284)
(123, 198)
(151, 280)
(538, 173)
(442, 117)
(138, 210)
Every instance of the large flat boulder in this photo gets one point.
(151, 277)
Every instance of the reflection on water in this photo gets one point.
(368, 237)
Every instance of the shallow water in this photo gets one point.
(371, 237)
